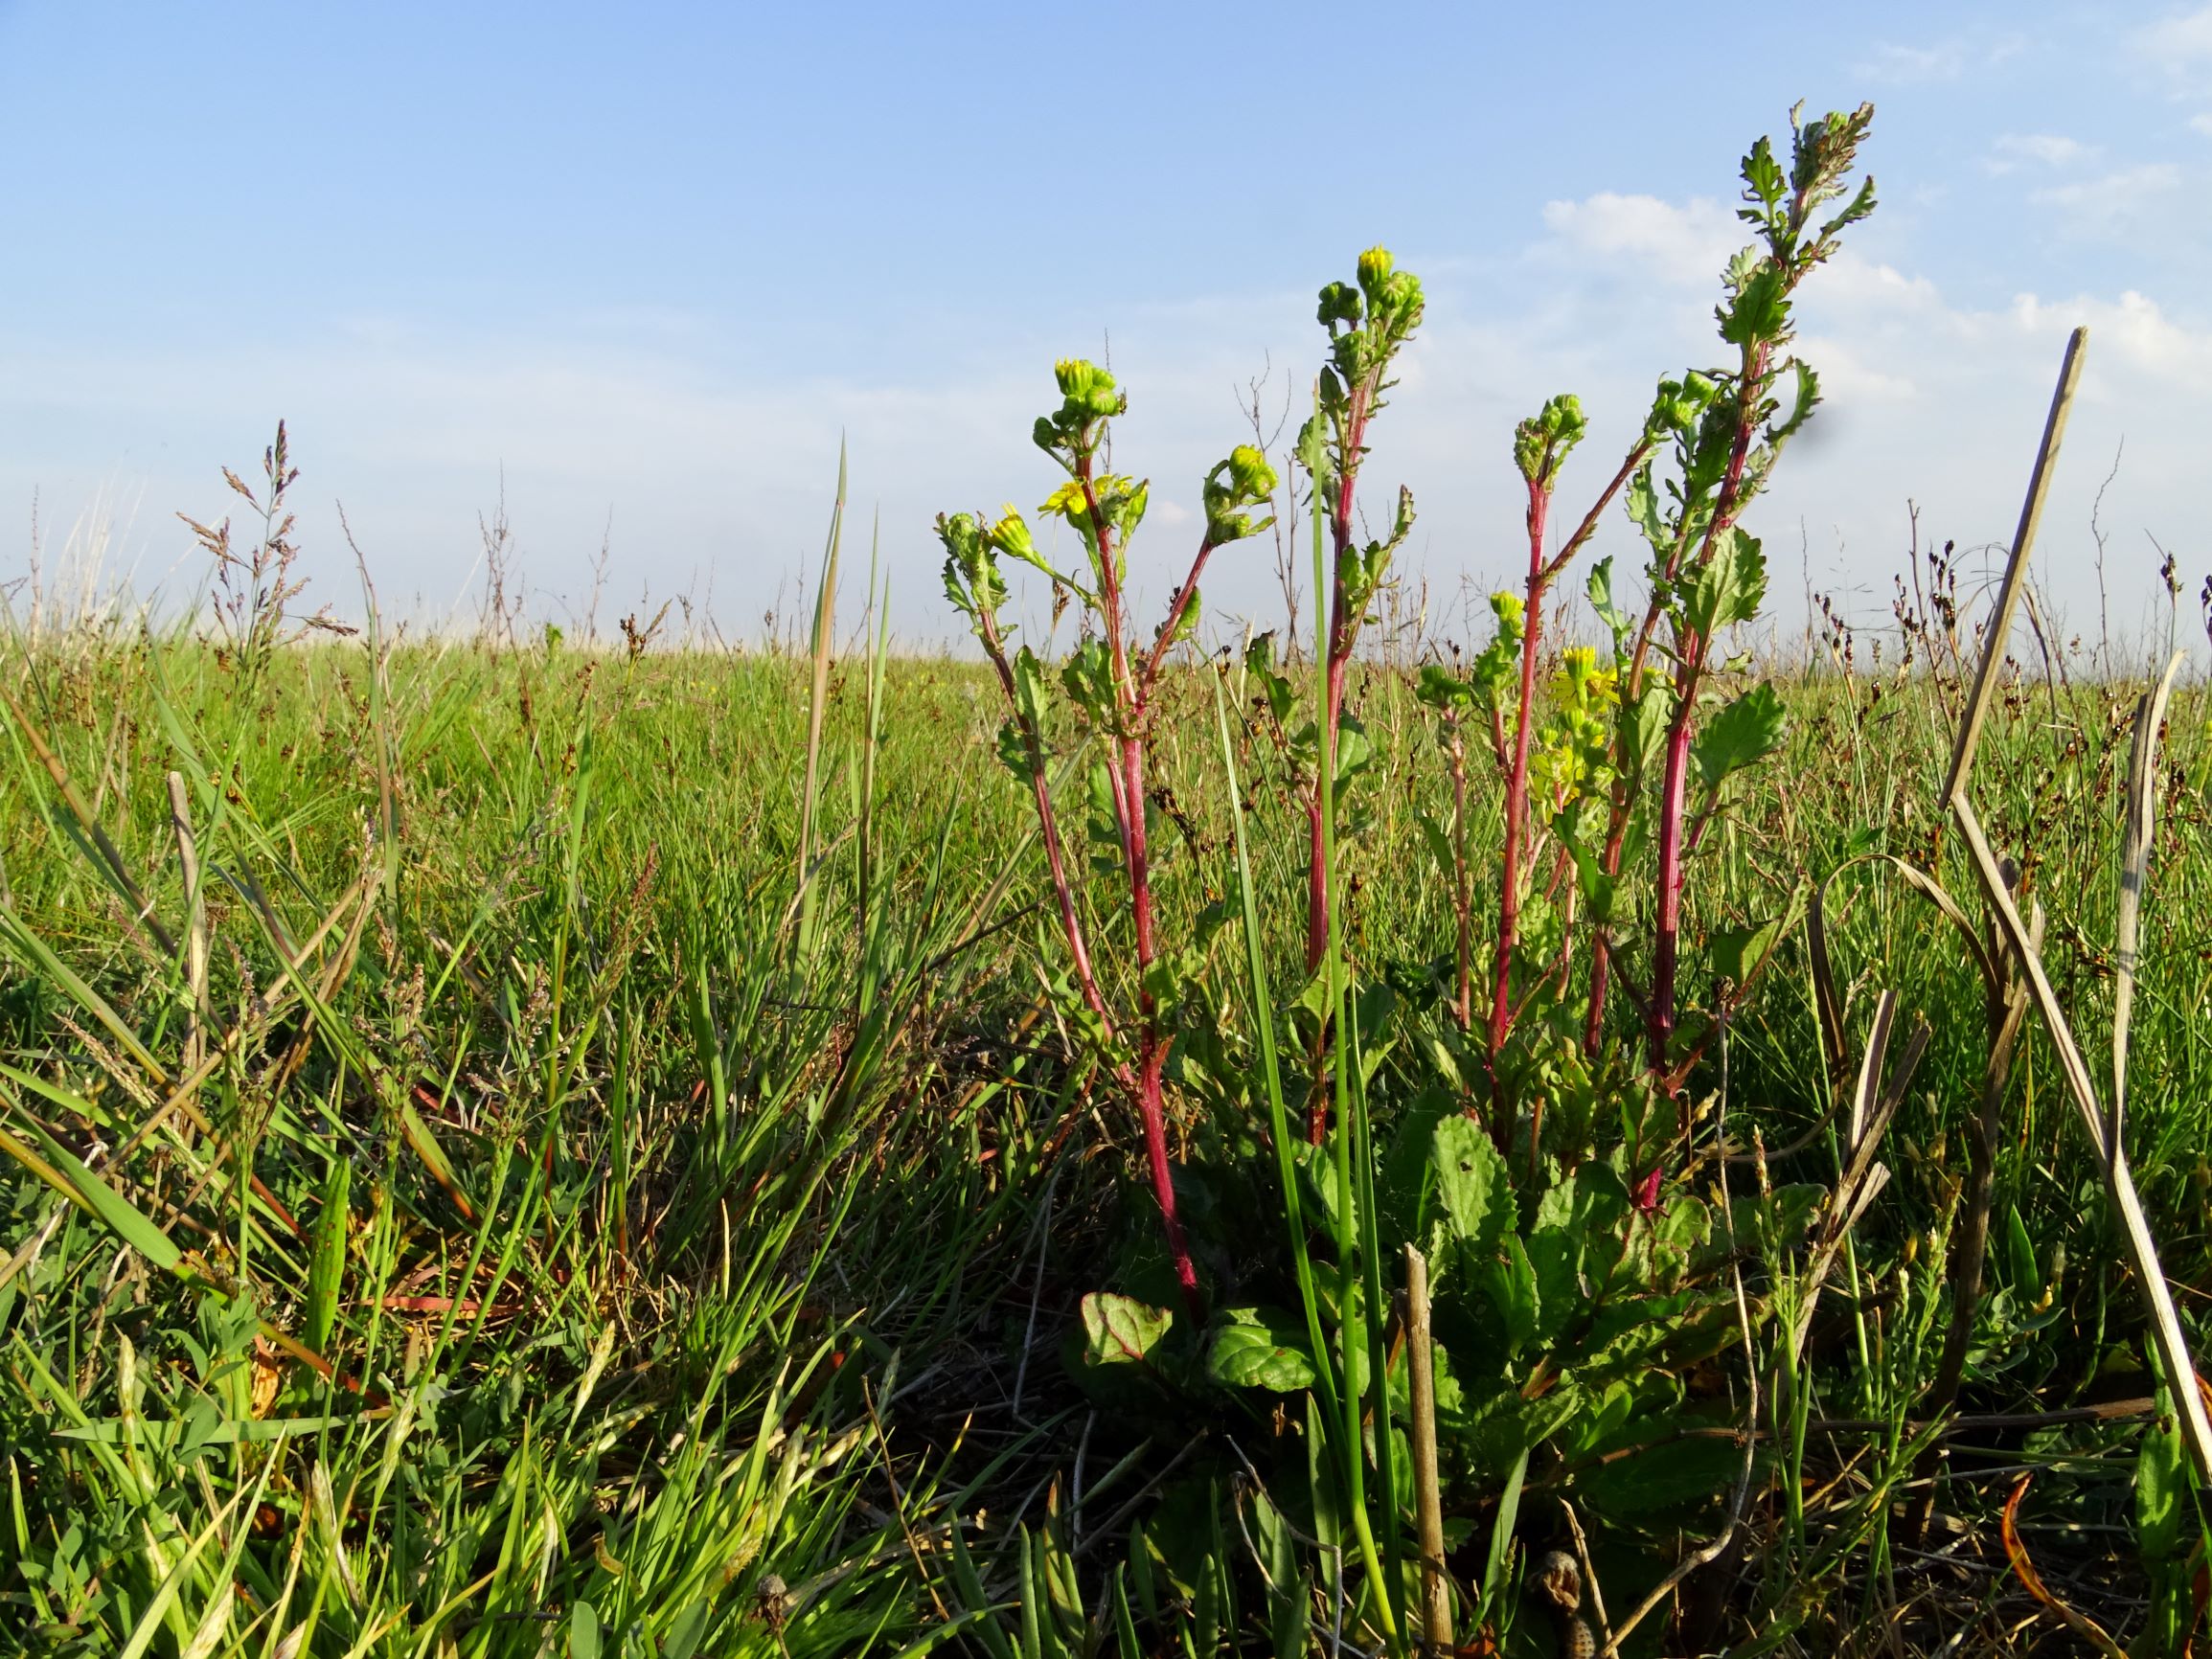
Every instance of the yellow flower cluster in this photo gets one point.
(1572, 758)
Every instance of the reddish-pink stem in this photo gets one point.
(1048, 829)
(1343, 632)
(1130, 695)
(1667, 944)
(1517, 795)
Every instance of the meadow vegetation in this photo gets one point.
(1133, 1142)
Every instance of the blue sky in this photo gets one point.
(647, 264)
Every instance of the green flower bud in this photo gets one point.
(1253, 478)
(1078, 378)
(1542, 443)
(1010, 535)
(962, 539)
(1339, 303)
(1242, 480)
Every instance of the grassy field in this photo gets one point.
(1587, 1139)
(503, 1209)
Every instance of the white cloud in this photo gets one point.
(1688, 242)
(2180, 40)
(1936, 61)
(1915, 65)
(709, 468)
(2012, 149)
(2133, 325)
(2202, 123)
(2112, 200)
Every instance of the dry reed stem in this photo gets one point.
(2142, 1249)
(1427, 1494)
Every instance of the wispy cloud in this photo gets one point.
(2178, 48)
(2182, 39)
(2013, 151)
(1681, 242)
(709, 469)
(1896, 63)
(2098, 205)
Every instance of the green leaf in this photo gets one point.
(61, 1168)
(1260, 1348)
(1354, 752)
(1120, 1329)
(584, 1632)
(1657, 1477)
(1014, 749)
(1746, 732)
(1777, 1223)
(1509, 1280)
(1643, 723)
(2020, 1255)
(1807, 395)
(1760, 310)
(1735, 953)
(1443, 690)
(2161, 1490)
(1588, 1206)
(683, 1638)
(1730, 585)
(1600, 589)
(327, 1266)
(1405, 1186)
(1472, 1183)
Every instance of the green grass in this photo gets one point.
(689, 1256)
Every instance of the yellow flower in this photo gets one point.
(1067, 502)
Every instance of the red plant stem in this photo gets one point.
(1462, 894)
(1343, 632)
(1666, 946)
(1131, 696)
(1516, 796)
(1690, 650)
(1048, 828)
(1180, 604)
(1667, 943)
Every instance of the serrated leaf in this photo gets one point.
(1472, 1183)
(1406, 1187)
(1730, 585)
(1742, 734)
(1509, 1280)
(1120, 1329)
(1735, 953)
(1588, 1205)
(1600, 589)
(1760, 310)
(1258, 1347)
(1693, 1470)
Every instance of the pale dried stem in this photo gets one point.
(2142, 1249)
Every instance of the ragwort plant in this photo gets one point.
(1628, 767)
(1109, 686)
(1570, 1305)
